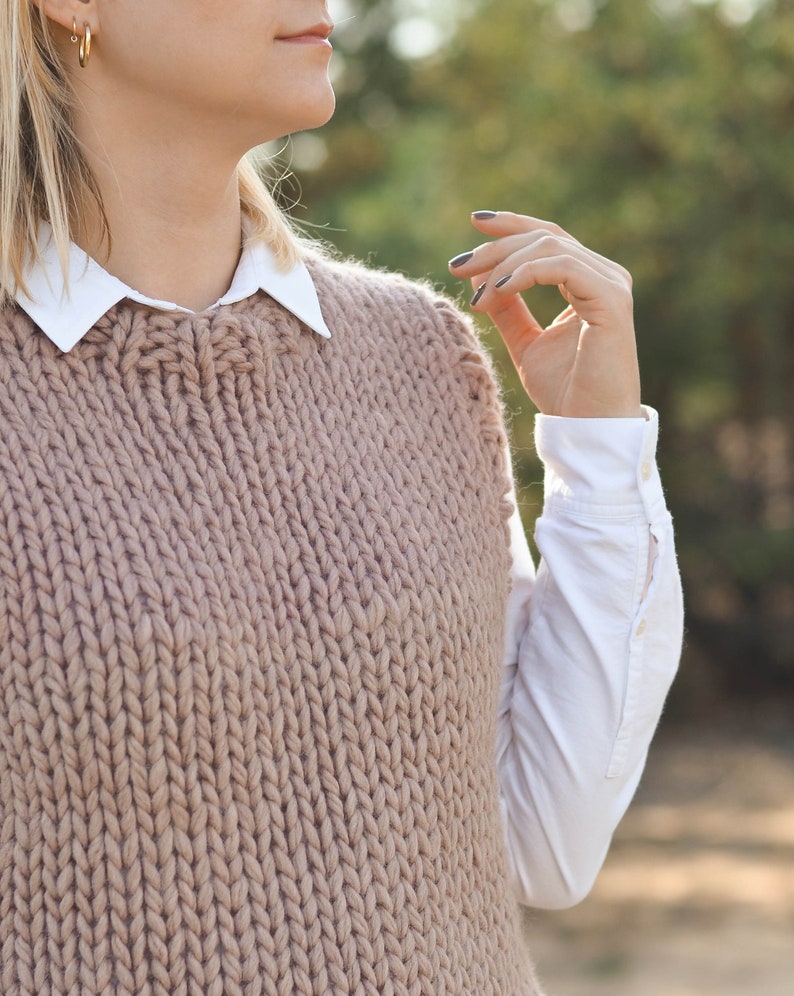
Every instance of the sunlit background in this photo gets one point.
(661, 132)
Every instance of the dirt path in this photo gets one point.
(697, 895)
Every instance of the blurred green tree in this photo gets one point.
(660, 132)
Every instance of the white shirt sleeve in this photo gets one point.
(592, 644)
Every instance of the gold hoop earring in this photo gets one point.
(73, 38)
(84, 52)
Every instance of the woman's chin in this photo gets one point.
(320, 113)
(312, 114)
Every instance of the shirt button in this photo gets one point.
(645, 471)
(642, 627)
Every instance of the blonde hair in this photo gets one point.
(43, 174)
(266, 220)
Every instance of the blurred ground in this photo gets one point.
(697, 895)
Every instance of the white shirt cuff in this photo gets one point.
(600, 465)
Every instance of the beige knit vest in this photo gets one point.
(252, 592)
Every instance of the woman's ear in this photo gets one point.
(71, 14)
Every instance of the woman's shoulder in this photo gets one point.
(414, 315)
(351, 285)
(358, 295)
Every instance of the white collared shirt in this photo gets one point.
(592, 641)
(66, 314)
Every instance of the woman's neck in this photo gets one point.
(172, 203)
(169, 241)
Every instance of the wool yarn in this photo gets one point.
(252, 592)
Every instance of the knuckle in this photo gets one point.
(547, 241)
(624, 283)
(552, 228)
(624, 275)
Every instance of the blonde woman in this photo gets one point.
(285, 708)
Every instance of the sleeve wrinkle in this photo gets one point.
(590, 658)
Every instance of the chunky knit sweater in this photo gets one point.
(252, 592)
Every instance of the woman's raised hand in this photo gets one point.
(584, 365)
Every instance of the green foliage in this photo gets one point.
(661, 133)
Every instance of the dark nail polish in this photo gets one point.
(503, 280)
(460, 260)
(483, 215)
(478, 294)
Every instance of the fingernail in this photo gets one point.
(503, 280)
(483, 215)
(460, 260)
(478, 294)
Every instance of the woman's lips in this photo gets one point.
(318, 34)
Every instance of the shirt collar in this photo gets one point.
(65, 315)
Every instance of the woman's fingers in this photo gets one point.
(506, 223)
(517, 325)
(498, 259)
(527, 252)
(509, 312)
(598, 297)
(501, 223)
(584, 364)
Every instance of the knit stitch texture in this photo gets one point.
(252, 593)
